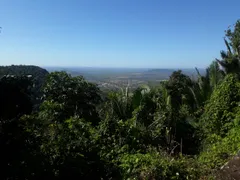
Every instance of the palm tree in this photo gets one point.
(123, 103)
(231, 58)
(205, 84)
(214, 74)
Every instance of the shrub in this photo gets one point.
(155, 165)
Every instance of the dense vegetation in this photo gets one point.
(182, 129)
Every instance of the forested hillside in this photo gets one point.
(181, 129)
(36, 74)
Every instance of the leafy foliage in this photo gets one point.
(70, 96)
(220, 111)
(155, 165)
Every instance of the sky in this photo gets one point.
(114, 33)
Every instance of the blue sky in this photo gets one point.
(114, 33)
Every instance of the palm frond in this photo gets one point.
(228, 46)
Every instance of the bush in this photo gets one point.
(221, 110)
(221, 151)
(155, 165)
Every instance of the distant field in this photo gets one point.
(119, 77)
